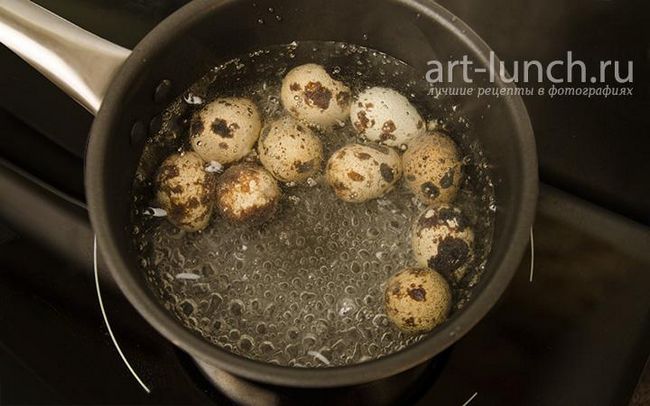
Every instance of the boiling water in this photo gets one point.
(304, 289)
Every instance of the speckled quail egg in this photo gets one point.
(443, 240)
(310, 94)
(433, 168)
(225, 130)
(383, 115)
(417, 300)
(247, 192)
(290, 150)
(358, 173)
(184, 190)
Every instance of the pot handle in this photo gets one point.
(77, 61)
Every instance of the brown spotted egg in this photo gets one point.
(417, 300)
(358, 173)
(247, 192)
(225, 130)
(383, 115)
(433, 168)
(290, 150)
(311, 95)
(443, 240)
(184, 191)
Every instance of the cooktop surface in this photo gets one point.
(571, 330)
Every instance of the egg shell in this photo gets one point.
(247, 192)
(442, 240)
(433, 168)
(417, 300)
(358, 173)
(184, 190)
(290, 150)
(311, 95)
(383, 115)
(225, 130)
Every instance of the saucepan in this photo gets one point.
(127, 90)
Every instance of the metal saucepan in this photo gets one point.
(127, 89)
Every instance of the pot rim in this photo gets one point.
(196, 346)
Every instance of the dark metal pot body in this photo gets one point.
(206, 32)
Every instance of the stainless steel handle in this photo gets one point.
(79, 62)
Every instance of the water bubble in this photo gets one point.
(267, 347)
(236, 307)
(154, 212)
(187, 276)
(234, 334)
(191, 98)
(187, 307)
(246, 343)
(346, 306)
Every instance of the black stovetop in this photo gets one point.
(578, 334)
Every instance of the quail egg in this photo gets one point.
(225, 130)
(290, 150)
(358, 173)
(417, 300)
(310, 94)
(443, 240)
(184, 191)
(247, 192)
(433, 168)
(383, 115)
